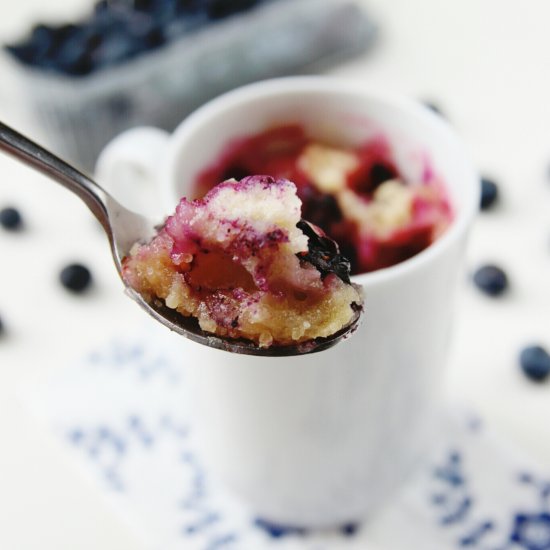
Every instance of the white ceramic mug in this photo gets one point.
(327, 438)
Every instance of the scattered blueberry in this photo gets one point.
(349, 529)
(278, 531)
(489, 193)
(42, 41)
(535, 363)
(10, 219)
(491, 280)
(75, 277)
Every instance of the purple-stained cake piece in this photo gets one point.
(244, 264)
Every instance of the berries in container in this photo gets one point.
(151, 62)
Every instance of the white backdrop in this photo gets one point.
(485, 63)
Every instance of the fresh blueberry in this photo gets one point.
(535, 363)
(146, 32)
(64, 32)
(116, 31)
(144, 5)
(75, 277)
(33, 49)
(380, 172)
(108, 17)
(11, 219)
(186, 7)
(278, 531)
(491, 280)
(42, 42)
(74, 55)
(218, 9)
(102, 7)
(349, 529)
(115, 49)
(489, 193)
(24, 52)
(58, 38)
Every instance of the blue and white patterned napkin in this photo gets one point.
(121, 412)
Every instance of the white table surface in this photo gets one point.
(485, 63)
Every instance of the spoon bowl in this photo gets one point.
(124, 228)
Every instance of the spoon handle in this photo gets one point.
(41, 159)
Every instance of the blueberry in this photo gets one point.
(218, 9)
(116, 31)
(10, 219)
(144, 5)
(379, 173)
(75, 277)
(115, 49)
(64, 32)
(75, 56)
(491, 280)
(35, 49)
(186, 7)
(107, 17)
(278, 531)
(349, 529)
(24, 52)
(44, 45)
(102, 7)
(146, 32)
(319, 208)
(42, 41)
(489, 193)
(235, 171)
(57, 36)
(535, 363)
(323, 253)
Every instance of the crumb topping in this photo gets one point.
(239, 261)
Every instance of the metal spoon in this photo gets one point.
(124, 228)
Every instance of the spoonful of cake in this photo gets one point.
(238, 270)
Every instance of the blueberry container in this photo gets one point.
(76, 115)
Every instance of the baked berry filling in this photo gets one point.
(244, 264)
(358, 196)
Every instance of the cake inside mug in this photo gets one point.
(358, 196)
(244, 263)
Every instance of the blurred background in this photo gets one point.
(483, 65)
(151, 62)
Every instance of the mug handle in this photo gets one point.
(129, 167)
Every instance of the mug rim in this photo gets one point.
(322, 84)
